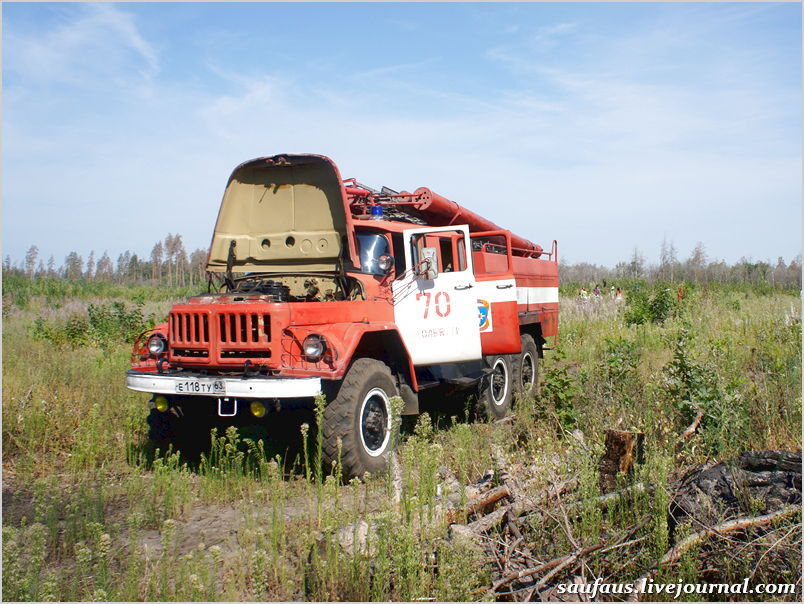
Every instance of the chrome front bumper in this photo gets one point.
(252, 387)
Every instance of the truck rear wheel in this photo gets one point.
(497, 389)
(360, 416)
(527, 367)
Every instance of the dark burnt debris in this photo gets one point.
(720, 513)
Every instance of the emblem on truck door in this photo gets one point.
(484, 315)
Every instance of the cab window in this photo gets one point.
(451, 250)
(399, 254)
(461, 254)
(371, 246)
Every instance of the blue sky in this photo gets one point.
(605, 126)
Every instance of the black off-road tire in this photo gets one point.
(176, 428)
(360, 415)
(160, 430)
(497, 389)
(526, 370)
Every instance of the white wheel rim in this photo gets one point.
(499, 368)
(527, 361)
(374, 400)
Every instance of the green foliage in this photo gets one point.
(420, 461)
(691, 384)
(559, 391)
(650, 305)
(20, 290)
(461, 572)
(103, 325)
(620, 359)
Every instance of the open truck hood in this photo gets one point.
(285, 213)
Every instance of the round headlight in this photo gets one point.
(314, 346)
(156, 345)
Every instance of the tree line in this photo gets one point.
(697, 268)
(170, 264)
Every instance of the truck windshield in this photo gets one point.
(371, 246)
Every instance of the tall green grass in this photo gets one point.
(89, 513)
(19, 290)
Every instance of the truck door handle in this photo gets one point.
(504, 286)
(464, 286)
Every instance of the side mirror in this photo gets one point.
(430, 259)
(385, 263)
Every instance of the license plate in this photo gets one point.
(199, 387)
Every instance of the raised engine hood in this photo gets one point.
(284, 213)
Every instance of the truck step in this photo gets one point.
(428, 384)
(464, 380)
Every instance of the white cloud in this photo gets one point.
(546, 34)
(100, 42)
(390, 69)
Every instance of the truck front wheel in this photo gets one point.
(360, 416)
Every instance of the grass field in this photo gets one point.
(88, 514)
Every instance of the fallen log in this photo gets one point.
(507, 479)
(692, 428)
(484, 500)
(675, 553)
(572, 559)
(556, 565)
(604, 501)
(515, 509)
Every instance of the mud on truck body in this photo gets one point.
(327, 285)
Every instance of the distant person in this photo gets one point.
(584, 294)
(596, 291)
(611, 291)
(680, 293)
(618, 296)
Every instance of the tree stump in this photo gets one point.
(623, 450)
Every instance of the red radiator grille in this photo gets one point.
(189, 328)
(244, 328)
(219, 336)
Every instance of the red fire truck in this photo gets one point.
(324, 285)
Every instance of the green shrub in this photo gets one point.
(691, 384)
(650, 305)
(620, 359)
(558, 392)
(103, 325)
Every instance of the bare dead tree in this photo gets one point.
(90, 272)
(157, 254)
(30, 260)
